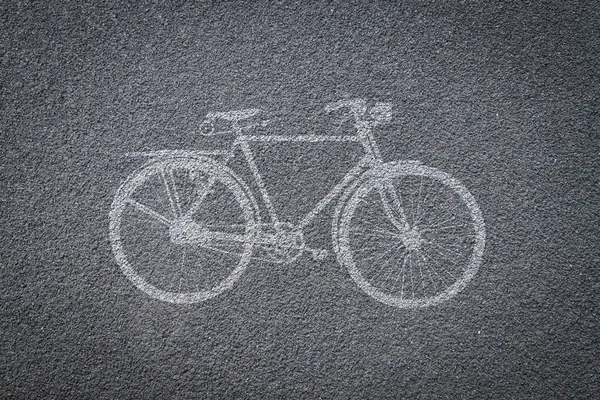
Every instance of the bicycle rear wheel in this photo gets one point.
(425, 262)
(156, 214)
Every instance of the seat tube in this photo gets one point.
(258, 179)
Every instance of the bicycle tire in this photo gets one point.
(452, 260)
(152, 274)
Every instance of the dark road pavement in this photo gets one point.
(503, 96)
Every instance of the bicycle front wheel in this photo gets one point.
(158, 226)
(419, 250)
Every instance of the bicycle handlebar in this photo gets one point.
(380, 112)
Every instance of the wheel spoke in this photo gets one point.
(201, 195)
(430, 269)
(428, 272)
(173, 198)
(390, 273)
(375, 233)
(379, 227)
(150, 212)
(445, 218)
(447, 215)
(175, 192)
(417, 215)
(454, 252)
(434, 199)
(181, 264)
(442, 268)
(164, 255)
(402, 273)
(444, 228)
(412, 281)
(424, 203)
(395, 249)
(229, 253)
(382, 255)
(422, 279)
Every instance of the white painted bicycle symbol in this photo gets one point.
(185, 226)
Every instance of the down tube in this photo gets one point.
(364, 164)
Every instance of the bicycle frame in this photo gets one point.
(410, 251)
(369, 160)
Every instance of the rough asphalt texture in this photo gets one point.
(504, 96)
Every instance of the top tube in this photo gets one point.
(298, 138)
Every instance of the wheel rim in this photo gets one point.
(148, 205)
(426, 265)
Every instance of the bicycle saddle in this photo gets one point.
(234, 116)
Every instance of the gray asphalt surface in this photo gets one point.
(502, 95)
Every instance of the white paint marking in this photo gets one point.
(447, 231)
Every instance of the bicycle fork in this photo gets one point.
(385, 187)
(392, 210)
(410, 235)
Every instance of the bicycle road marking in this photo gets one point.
(432, 240)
